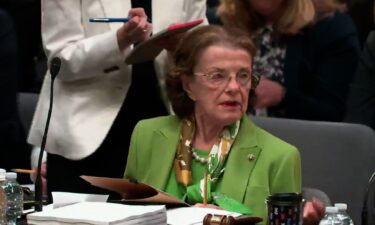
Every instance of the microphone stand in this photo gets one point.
(54, 70)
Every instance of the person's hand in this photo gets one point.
(43, 173)
(269, 93)
(137, 29)
(313, 212)
(207, 206)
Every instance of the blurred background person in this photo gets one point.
(211, 13)
(98, 98)
(31, 61)
(14, 151)
(362, 12)
(361, 102)
(307, 55)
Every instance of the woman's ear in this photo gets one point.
(186, 85)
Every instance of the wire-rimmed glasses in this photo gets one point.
(219, 78)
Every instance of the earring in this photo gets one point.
(255, 79)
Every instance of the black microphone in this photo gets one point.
(54, 69)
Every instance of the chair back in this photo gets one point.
(26, 107)
(337, 158)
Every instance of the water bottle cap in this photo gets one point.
(2, 174)
(11, 175)
(331, 209)
(341, 206)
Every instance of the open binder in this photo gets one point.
(134, 192)
(140, 193)
(149, 49)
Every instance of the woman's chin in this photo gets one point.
(231, 118)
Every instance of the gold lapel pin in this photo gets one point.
(251, 157)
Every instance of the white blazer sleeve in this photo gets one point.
(196, 10)
(64, 36)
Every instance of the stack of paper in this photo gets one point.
(61, 199)
(100, 213)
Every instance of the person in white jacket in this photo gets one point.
(98, 98)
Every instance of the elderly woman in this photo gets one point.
(307, 53)
(211, 138)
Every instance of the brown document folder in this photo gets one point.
(149, 49)
(133, 191)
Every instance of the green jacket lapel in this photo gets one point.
(241, 161)
(164, 142)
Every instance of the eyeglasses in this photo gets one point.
(219, 78)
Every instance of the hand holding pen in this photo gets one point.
(135, 29)
(138, 25)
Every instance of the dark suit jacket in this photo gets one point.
(14, 151)
(361, 103)
(319, 65)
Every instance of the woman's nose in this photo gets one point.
(233, 84)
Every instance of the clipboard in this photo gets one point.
(134, 192)
(149, 49)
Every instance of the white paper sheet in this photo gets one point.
(68, 198)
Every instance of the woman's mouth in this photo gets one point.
(231, 104)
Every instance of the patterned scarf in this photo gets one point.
(215, 166)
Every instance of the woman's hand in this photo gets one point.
(43, 173)
(313, 212)
(269, 93)
(137, 29)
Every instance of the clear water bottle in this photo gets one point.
(14, 195)
(331, 217)
(343, 214)
(3, 198)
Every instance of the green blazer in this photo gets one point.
(258, 165)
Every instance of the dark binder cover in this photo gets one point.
(149, 49)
